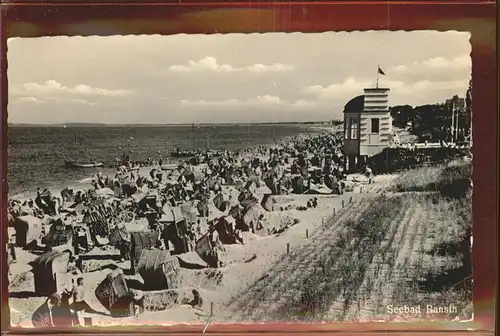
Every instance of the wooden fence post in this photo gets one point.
(307, 233)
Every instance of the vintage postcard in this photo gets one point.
(244, 178)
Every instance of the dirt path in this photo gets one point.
(374, 286)
(389, 268)
(274, 296)
(284, 281)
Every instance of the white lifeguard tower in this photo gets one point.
(367, 126)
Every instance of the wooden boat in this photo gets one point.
(179, 153)
(169, 166)
(82, 164)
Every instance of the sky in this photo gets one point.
(235, 78)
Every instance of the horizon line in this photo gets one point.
(173, 124)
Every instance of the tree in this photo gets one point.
(401, 115)
(432, 122)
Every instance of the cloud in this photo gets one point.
(349, 86)
(211, 64)
(56, 100)
(277, 67)
(73, 101)
(269, 99)
(266, 100)
(413, 93)
(426, 86)
(433, 64)
(31, 100)
(54, 87)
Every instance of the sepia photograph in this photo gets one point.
(239, 178)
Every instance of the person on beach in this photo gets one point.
(47, 315)
(137, 301)
(197, 301)
(369, 174)
(80, 305)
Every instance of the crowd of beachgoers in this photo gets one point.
(213, 194)
(294, 166)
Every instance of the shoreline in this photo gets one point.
(86, 182)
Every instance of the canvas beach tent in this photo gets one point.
(28, 229)
(158, 269)
(141, 241)
(113, 293)
(50, 271)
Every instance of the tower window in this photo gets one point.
(354, 129)
(375, 125)
(347, 128)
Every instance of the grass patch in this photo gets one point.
(419, 179)
(343, 270)
(441, 272)
(408, 248)
(394, 159)
(437, 270)
(452, 180)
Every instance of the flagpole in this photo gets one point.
(378, 74)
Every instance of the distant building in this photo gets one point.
(367, 126)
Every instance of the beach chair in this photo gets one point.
(141, 241)
(50, 271)
(113, 293)
(206, 251)
(158, 269)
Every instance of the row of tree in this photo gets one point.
(433, 122)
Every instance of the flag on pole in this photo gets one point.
(381, 72)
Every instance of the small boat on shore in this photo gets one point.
(169, 166)
(182, 153)
(179, 153)
(82, 164)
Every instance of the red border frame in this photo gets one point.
(36, 19)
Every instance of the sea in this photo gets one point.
(36, 153)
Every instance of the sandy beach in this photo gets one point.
(266, 273)
(236, 178)
(220, 286)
